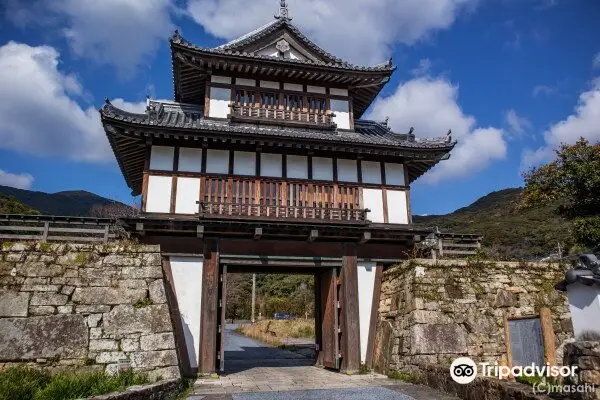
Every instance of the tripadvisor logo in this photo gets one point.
(463, 370)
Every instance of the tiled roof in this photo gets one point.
(191, 117)
(235, 48)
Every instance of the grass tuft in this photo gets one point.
(141, 303)
(23, 383)
(273, 331)
(403, 376)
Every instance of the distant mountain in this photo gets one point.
(508, 232)
(70, 203)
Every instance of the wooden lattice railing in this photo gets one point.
(282, 212)
(56, 229)
(310, 117)
(259, 197)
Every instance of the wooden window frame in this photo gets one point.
(548, 335)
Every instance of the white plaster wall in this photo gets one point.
(190, 160)
(269, 84)
(584, 303)
(338, 92)
(366, 285)
(220, 79)
(293, 86)
(394, 174)
(294, 55)
(271, 165)
(315, 89)
(187, 279)
(297, 167)
(159, 194)
(217, 161)
(244, 163)
(161, 158)
(347, 170)
(269, 51)
(245, 82)
(371, 172)
(188, 193)
(341, 108)
(373, 200)
(219, 102)
(322, 169)
(397, 202)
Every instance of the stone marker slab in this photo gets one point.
(62, 335)
(438, 339)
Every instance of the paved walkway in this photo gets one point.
(255, 371)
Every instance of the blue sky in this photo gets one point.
(512, 78)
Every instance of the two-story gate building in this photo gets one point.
(263, 163)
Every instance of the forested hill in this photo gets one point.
(508, 232)
(70, 203)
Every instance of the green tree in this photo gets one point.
(573, 182)
(10, 205)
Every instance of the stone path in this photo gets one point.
(255, 371)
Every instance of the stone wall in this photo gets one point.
(432, 312)
(586, 356)
(93, 306)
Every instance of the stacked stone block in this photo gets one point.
(433, 312)
(586, 356)
(94, 306)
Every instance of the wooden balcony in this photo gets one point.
(259, 198)
(278, 116)
(261, 211)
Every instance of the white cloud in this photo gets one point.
(360, 31)
(122, 33)
(584, 122)
(543, 89)
(19, 181)
(423, 68)
(518, 125)
(430, 105)
(37, 112)
(596, 62)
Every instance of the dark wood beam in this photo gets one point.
(365, 238)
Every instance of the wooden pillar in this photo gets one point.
(349, 322)
(548, 335)
(209, 315)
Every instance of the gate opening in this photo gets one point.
(295, 319)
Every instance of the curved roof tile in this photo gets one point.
(191, 117)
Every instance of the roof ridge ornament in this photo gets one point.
(284, 13)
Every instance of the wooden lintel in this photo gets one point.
(365, 238)
(200, 231)
(257, 233)
(314, 234)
